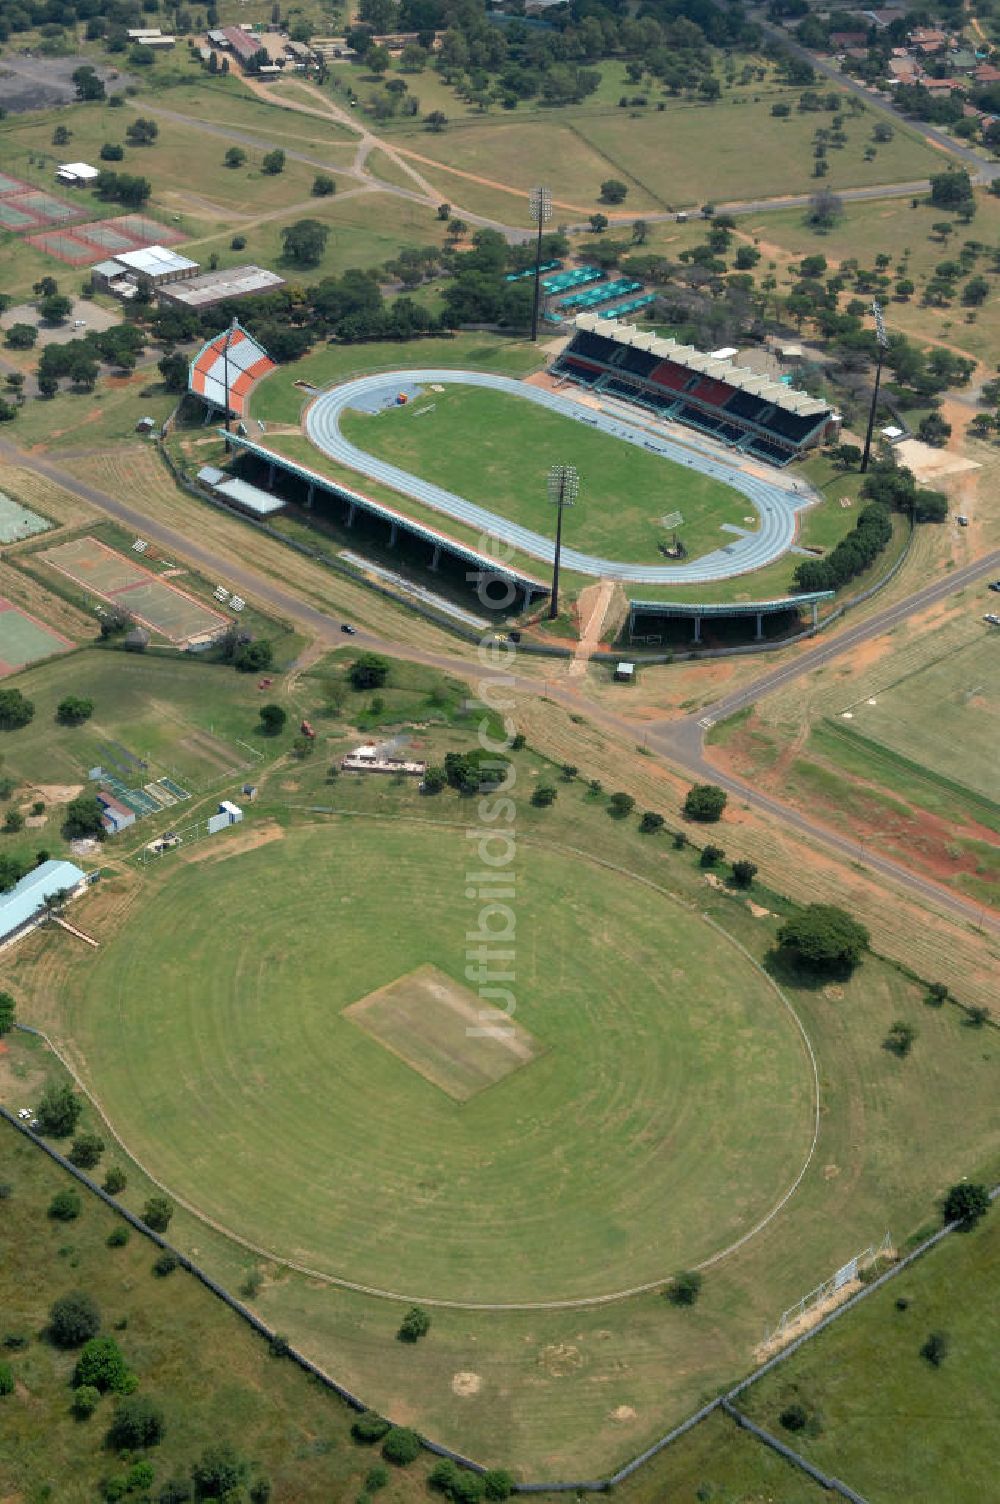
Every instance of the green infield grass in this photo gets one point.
(496, 450)
(655, 1086)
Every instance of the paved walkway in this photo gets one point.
(775, 502)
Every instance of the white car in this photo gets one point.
(25, 1112)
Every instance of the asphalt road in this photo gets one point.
(679, 743)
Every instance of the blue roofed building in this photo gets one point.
(22, 903)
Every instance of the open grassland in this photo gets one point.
(278, 400)
(497, 450)
(212, 1377)
(101, 419)
(572, 1393)
(684, 1075)
(889, 1423)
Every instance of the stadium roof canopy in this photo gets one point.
(741, 377)
(228, 364)
(730, 608)
(28, 896)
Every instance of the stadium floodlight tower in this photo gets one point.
(882, 340)
(225, 371)
(564, 488)
(540, 200)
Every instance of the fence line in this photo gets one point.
(833, 1485)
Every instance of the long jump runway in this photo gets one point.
(774, 503)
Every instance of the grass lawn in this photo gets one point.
(497, 450)
(98, 419)
(278, 400)
(212, 1377)
(633, 1043)
(553, 1394)
(891, 1425)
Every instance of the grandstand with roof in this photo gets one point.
(225, 369)
(740, 408)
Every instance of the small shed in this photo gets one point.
(117, 816)
(625, 673)
(226, 807)
(77, 174)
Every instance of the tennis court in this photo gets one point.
(18, 522)
(24, 640)
(84, 244)
(169, 611)
(25, 207)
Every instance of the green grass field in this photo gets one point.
(664, 1097)
(496, 449)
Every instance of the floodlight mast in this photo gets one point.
(564, 488)
(225, 370)
(882, 340)
(540, 201)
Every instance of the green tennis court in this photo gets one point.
(24, 640)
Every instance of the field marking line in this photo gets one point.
(577, 1303)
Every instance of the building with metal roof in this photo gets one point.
(241, 493)
(151, 268)
(220, 286)
(76, 174)
(225, 369)
(27, 898)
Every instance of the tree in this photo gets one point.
(933, 429)
(252, 657)
(370, 671)
(498, 1483)
(825, 208)
(436, 121)
(102, 1365)
(705, 802)
(414, 1325)
(543, 795)
(377, 59)
(20, 336)
(370, 1427)
(74, 710)
(620, 805)
(141, 132)
(744, 873)
(401, 1446)
(711, 856)
(824, 938)
(115, 1180)
(966, 1203)
(305, 241)
(975, 292)
(684, 1288)
(651, 822)
(85, 1401)
(218, 1470)
(73, 1320)
(235, 157)
(137, 1422)
(157, 1213)
(272, 719)
(794, 1417)
(640, 232)
(273, 162)
(87, 84)
(65, 1206)
(936, 1348)
(323, 185)
(84, 819)
(435, 780)
(15, 710)
(900, 1037)
(173, 371)
(86, 1150)
(7, 1010)
(58, 1110)
(613, 191)
(952, 190)
(598, 223)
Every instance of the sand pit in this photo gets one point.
(929, 464)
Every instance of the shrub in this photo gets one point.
(137, 1422)
(165, 1264)
(401, 1446)
(251, 1283)
(966, 1203)
(65, 1206)
(175, 1491)
(517, 741)
(73, 1320)
(370, 671)
(543, 795)
(899, 1040)
(272, 719)
(279, 1346)
(85, 1401)
(260, 1491)
(415, 1324)
(157, 1213)
(73, 711)
(477, 771)
(8, 1009)
(435, 780)
(711, 856)
(744, 873)
(370, 1427)
(936, 1348)
(498, 1483)
(794, 1418)
(6, 1379)
(650, 822)
(102, 1365)
(218, 1470)
(620, 805)
(139, 1475)
(86, 1150)
(684, 1288)
(251, 657)
(568, 772)
(238, 243)
(118, 1236)
(442, 1476)
(705, 802)
(377, 1477)
(937, 993)
(115, 1180)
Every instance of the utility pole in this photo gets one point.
(883, 344)
(564, 488)
(541, 210)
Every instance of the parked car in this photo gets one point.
(962, 521)
(345, 626)
(992, 618)
(995, 585)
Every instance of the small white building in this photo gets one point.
(77, 174)
(234, 812)
(625, 673)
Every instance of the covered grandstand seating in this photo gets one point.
(234, 353)
(792, 426)
(746, 405)
(712, 391)
(671, 375)
(639, 362)
(593, 345)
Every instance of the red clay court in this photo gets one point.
(177, 616)
(82, 245)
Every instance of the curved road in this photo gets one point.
(678, 743)
(774, 503)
